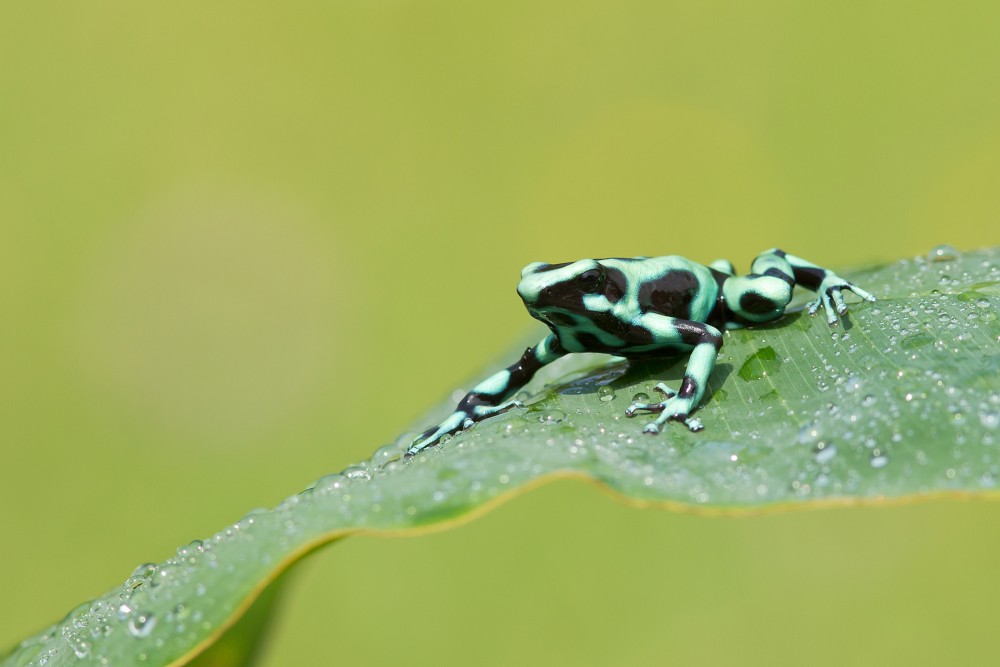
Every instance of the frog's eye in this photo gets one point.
(591, 281)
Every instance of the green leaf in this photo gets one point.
(900, 401)
(240, 645)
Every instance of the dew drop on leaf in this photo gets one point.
(141, 624)
(878, 459)
(943, 253)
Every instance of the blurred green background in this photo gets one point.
(242, 245)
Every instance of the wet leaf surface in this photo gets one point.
(899, 401)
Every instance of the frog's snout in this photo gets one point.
(531, 288)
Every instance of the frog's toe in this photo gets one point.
(824, 299)
(864, 294)
(484, 411)
(838, 300)
(432, 436)
(664, 389)
(651, 427)
(831, 297)
(651, 407)
(694, 424)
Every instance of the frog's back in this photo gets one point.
(670, 285)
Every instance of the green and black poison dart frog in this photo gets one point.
(646, 307)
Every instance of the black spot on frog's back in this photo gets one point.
(671, 294)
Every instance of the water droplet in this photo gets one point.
(641, 397)
(759, 364)
(124, 611)
(943, 253)
(606, 393)
(141, 624)
(331, 483)
(989, 419)
(878, 459)
(357, 472)
(825, 452)
(385, 455)
(145, 570)
(808, 434)
(190, 552)
(81, 648)
(852, 384)
(868, 401)
(916, 340)
(552, 416)
(983, 302)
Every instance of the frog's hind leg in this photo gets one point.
(764, 294)
(826, 283)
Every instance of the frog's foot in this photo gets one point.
(459, 420)
(672, 407)
(651, 407)
(832, 299)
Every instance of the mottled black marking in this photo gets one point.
(524, 368)
(693, 333)
(615, 285)
(717, 318)
(689, 387)
(810, 277)
(779, 253)
(752, 302)
(628, 332)
(775, 272)
(520, 373)
(565, 295)
(670, 294)
(475, 399)
(590, 341)
(715, 339)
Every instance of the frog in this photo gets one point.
(646, 307)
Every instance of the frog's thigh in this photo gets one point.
(758, 297)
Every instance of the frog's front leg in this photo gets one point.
(705, 340)
(488, 397)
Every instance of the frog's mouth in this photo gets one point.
(552, 318)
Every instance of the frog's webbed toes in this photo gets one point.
(831, 297)
(460, 420)
(455, 422)
(671, 408)
(652, 407)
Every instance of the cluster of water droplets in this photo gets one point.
(914, 383)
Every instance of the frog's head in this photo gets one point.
(552, 291)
